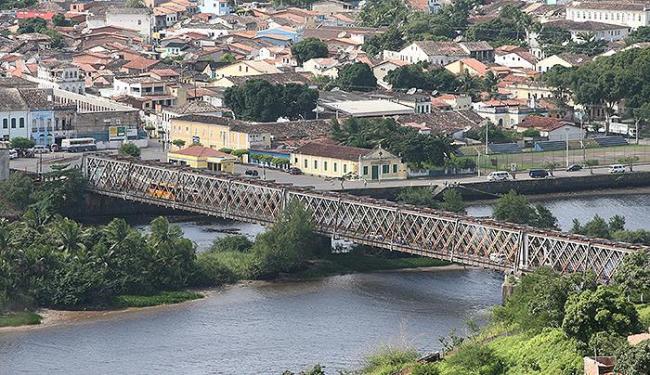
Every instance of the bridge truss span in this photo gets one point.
(405, 228)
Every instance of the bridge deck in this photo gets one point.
(405, 228)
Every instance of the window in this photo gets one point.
(305, 163)
(345, 168)
(365, 170)
(295, 160)
(394, 168)
(315, 164)
(325, 165)
(13, 123)
(5, 123)
(334, 167)
(385, 168)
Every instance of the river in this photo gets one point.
(266, 328)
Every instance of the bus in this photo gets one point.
(78, 144)
(162, 191)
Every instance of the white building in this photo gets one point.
(218, 7)
(439, 53)
(600, 30)
(627, 13)
(515, 58)
(325, 66)
(567, 60)
(61, 75)
(138, 19)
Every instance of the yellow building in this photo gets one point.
(327, 160)
(197, 156)
(218, 132)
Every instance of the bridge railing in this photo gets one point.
(385, 224)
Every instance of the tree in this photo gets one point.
(178, 143)
(598, 227)
(508, 28)
(173, 255)
(496, 134)
(603, 310)
(357, 76)
(22, 143)
(452, 201)
(391, 40)
(237, 243)
(417, 196)
(515, 208)
(640, 35)
(538, 300)
(129, 149)
(228, 57)
(309, 48)
(634, 359)
(17, 189)
(629, 160)
(531, 133)
(633, 275)
(415, 75)
(260, 100)
(31, 25)
(59, 20)
(135, 4)
(377, 13)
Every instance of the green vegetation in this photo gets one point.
(22, 318)
(634, 360)
(418, 76)
(644, 314)
(39, 25)
(309, 48)
(614, 229)
(259, 100)
(162, 298)
(452, 200)
(508, 28)
(389, 360)
(178, 143)
(22, 143)
(418, 149)
(356, 77)
(129, 149)
(640, 35)
(16, 4)
(515, 208)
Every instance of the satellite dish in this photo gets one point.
(412, 91)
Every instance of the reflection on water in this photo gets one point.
(634, 207)
(264, 329)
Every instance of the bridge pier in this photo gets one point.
(508, 287)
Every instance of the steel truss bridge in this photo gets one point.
(397, 227)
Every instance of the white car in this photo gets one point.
(13, 154)
(617, 168)
(40, 149)
(499, 176)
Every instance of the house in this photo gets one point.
(245, 68)
(354, 104)
(504, 113)
(567, 60)
(452, 101)
(323, 66)
(61, 75)
(198, 107)
(381, 70)
(469, 66)
(197, 156)
(632, 14)
(218, 7)
(552, 128)
(446, 122)
(438, 53)
(481, 51)
(514, 57)
(600, 30)
(327, 160)
(13, 115)
(331, 6)
(274, 78)
(140, 20)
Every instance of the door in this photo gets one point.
(375, 172)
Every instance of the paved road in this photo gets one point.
(155, 152)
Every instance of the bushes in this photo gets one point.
(476, 359)
(163, 298)
(17, 190)
(389, 360)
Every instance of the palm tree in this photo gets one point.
(69, 236)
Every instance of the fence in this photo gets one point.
(542, 159)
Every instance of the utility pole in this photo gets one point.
(566, 137)
(487, 127)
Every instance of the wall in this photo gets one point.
(4, 164)
(327, 167)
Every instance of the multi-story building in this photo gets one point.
(632, 14)
(219, 132)
(14, 113)
(218, 7)
(61, 75)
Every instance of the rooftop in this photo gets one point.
(199, 151)
(332, 151)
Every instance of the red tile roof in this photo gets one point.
(199, 151)
(332, 151)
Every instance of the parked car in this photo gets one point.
(13, 154)
(499, 176)
(294, 170)
(40, 149)
(251, 172)
(574, 168)
(617, 168)
(538, 173)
